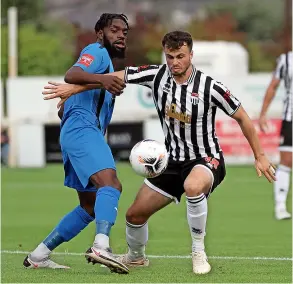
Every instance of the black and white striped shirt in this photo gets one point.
(186, 111)
(284, 72)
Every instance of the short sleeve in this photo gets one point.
(90, 59)
(142, 75)
(280, 68)
(222, 98)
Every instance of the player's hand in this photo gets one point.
(59, 90)
(113, 84)
(263, 124)
(264, 167)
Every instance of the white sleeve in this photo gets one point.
(142, 75)
(222, 98)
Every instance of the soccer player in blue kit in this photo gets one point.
(88, 162)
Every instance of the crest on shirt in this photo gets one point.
(167, 87)
(227, 96)
(86, 59)
(194, 98)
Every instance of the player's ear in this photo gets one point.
(100, 35)
(191, 54)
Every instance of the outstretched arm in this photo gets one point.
(142, 75)
(270, 94)
(64, 91)
(262, 164)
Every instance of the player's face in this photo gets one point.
(178, 60)
(115, 36)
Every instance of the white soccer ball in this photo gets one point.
(149, 158)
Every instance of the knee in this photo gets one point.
(106, 178)
(89, 208)
(193, 189)
(286, 161)
(134, 217)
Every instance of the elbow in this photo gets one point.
(72, 76)
(68, 78)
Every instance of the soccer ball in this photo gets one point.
(149, 158)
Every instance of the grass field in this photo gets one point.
(241, 227)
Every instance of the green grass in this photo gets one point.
(240, 224)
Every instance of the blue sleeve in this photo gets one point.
(91, 59)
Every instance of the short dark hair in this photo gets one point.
(174, 40)
(106, 19)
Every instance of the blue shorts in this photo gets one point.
(84, 151)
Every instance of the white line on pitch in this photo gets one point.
(169, 256)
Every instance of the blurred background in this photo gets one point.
(236, 41)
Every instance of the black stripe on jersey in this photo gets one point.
(281, 72)
(157, 81)
(222, 93)
(141, 69)
(161, 114)
(172, 126)
(141, 80)
(163, 110)
(219, 105)
(101, 99)
(286, 75)
(214, 111)
(194, 116)
(287, 103)
(182, 124)
(206, 98)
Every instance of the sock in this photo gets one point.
(281, 186)
(136, 237)
(71, 224)
(197, 210)
(106, 208)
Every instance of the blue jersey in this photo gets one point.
(97, 105)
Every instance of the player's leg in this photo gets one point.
(146, 203)
(154, 194)
(94, 165)
(282, 184)
(106, 204)
(68, 227)
(203, 177)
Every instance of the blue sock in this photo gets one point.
(69, 226)
(106, 208)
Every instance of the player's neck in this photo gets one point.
(184, 77)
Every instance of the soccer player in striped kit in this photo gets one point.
(283, 72)
(186, 100)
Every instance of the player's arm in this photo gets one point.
(64, 91)
(222, 98)
(85, 70)
(143, 75)
(262, 164)
(271, 92)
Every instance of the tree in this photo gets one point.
(40, 53)
(216, 27)
(261, 20)
(28, 10)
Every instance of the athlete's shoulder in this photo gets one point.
(96, 48)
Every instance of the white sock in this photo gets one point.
(41, 252)
(197, 210)
(136, 237)
(101, 241)
(281, 186)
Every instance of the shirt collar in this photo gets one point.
(190, 78)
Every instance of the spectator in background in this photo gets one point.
(4, 147)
